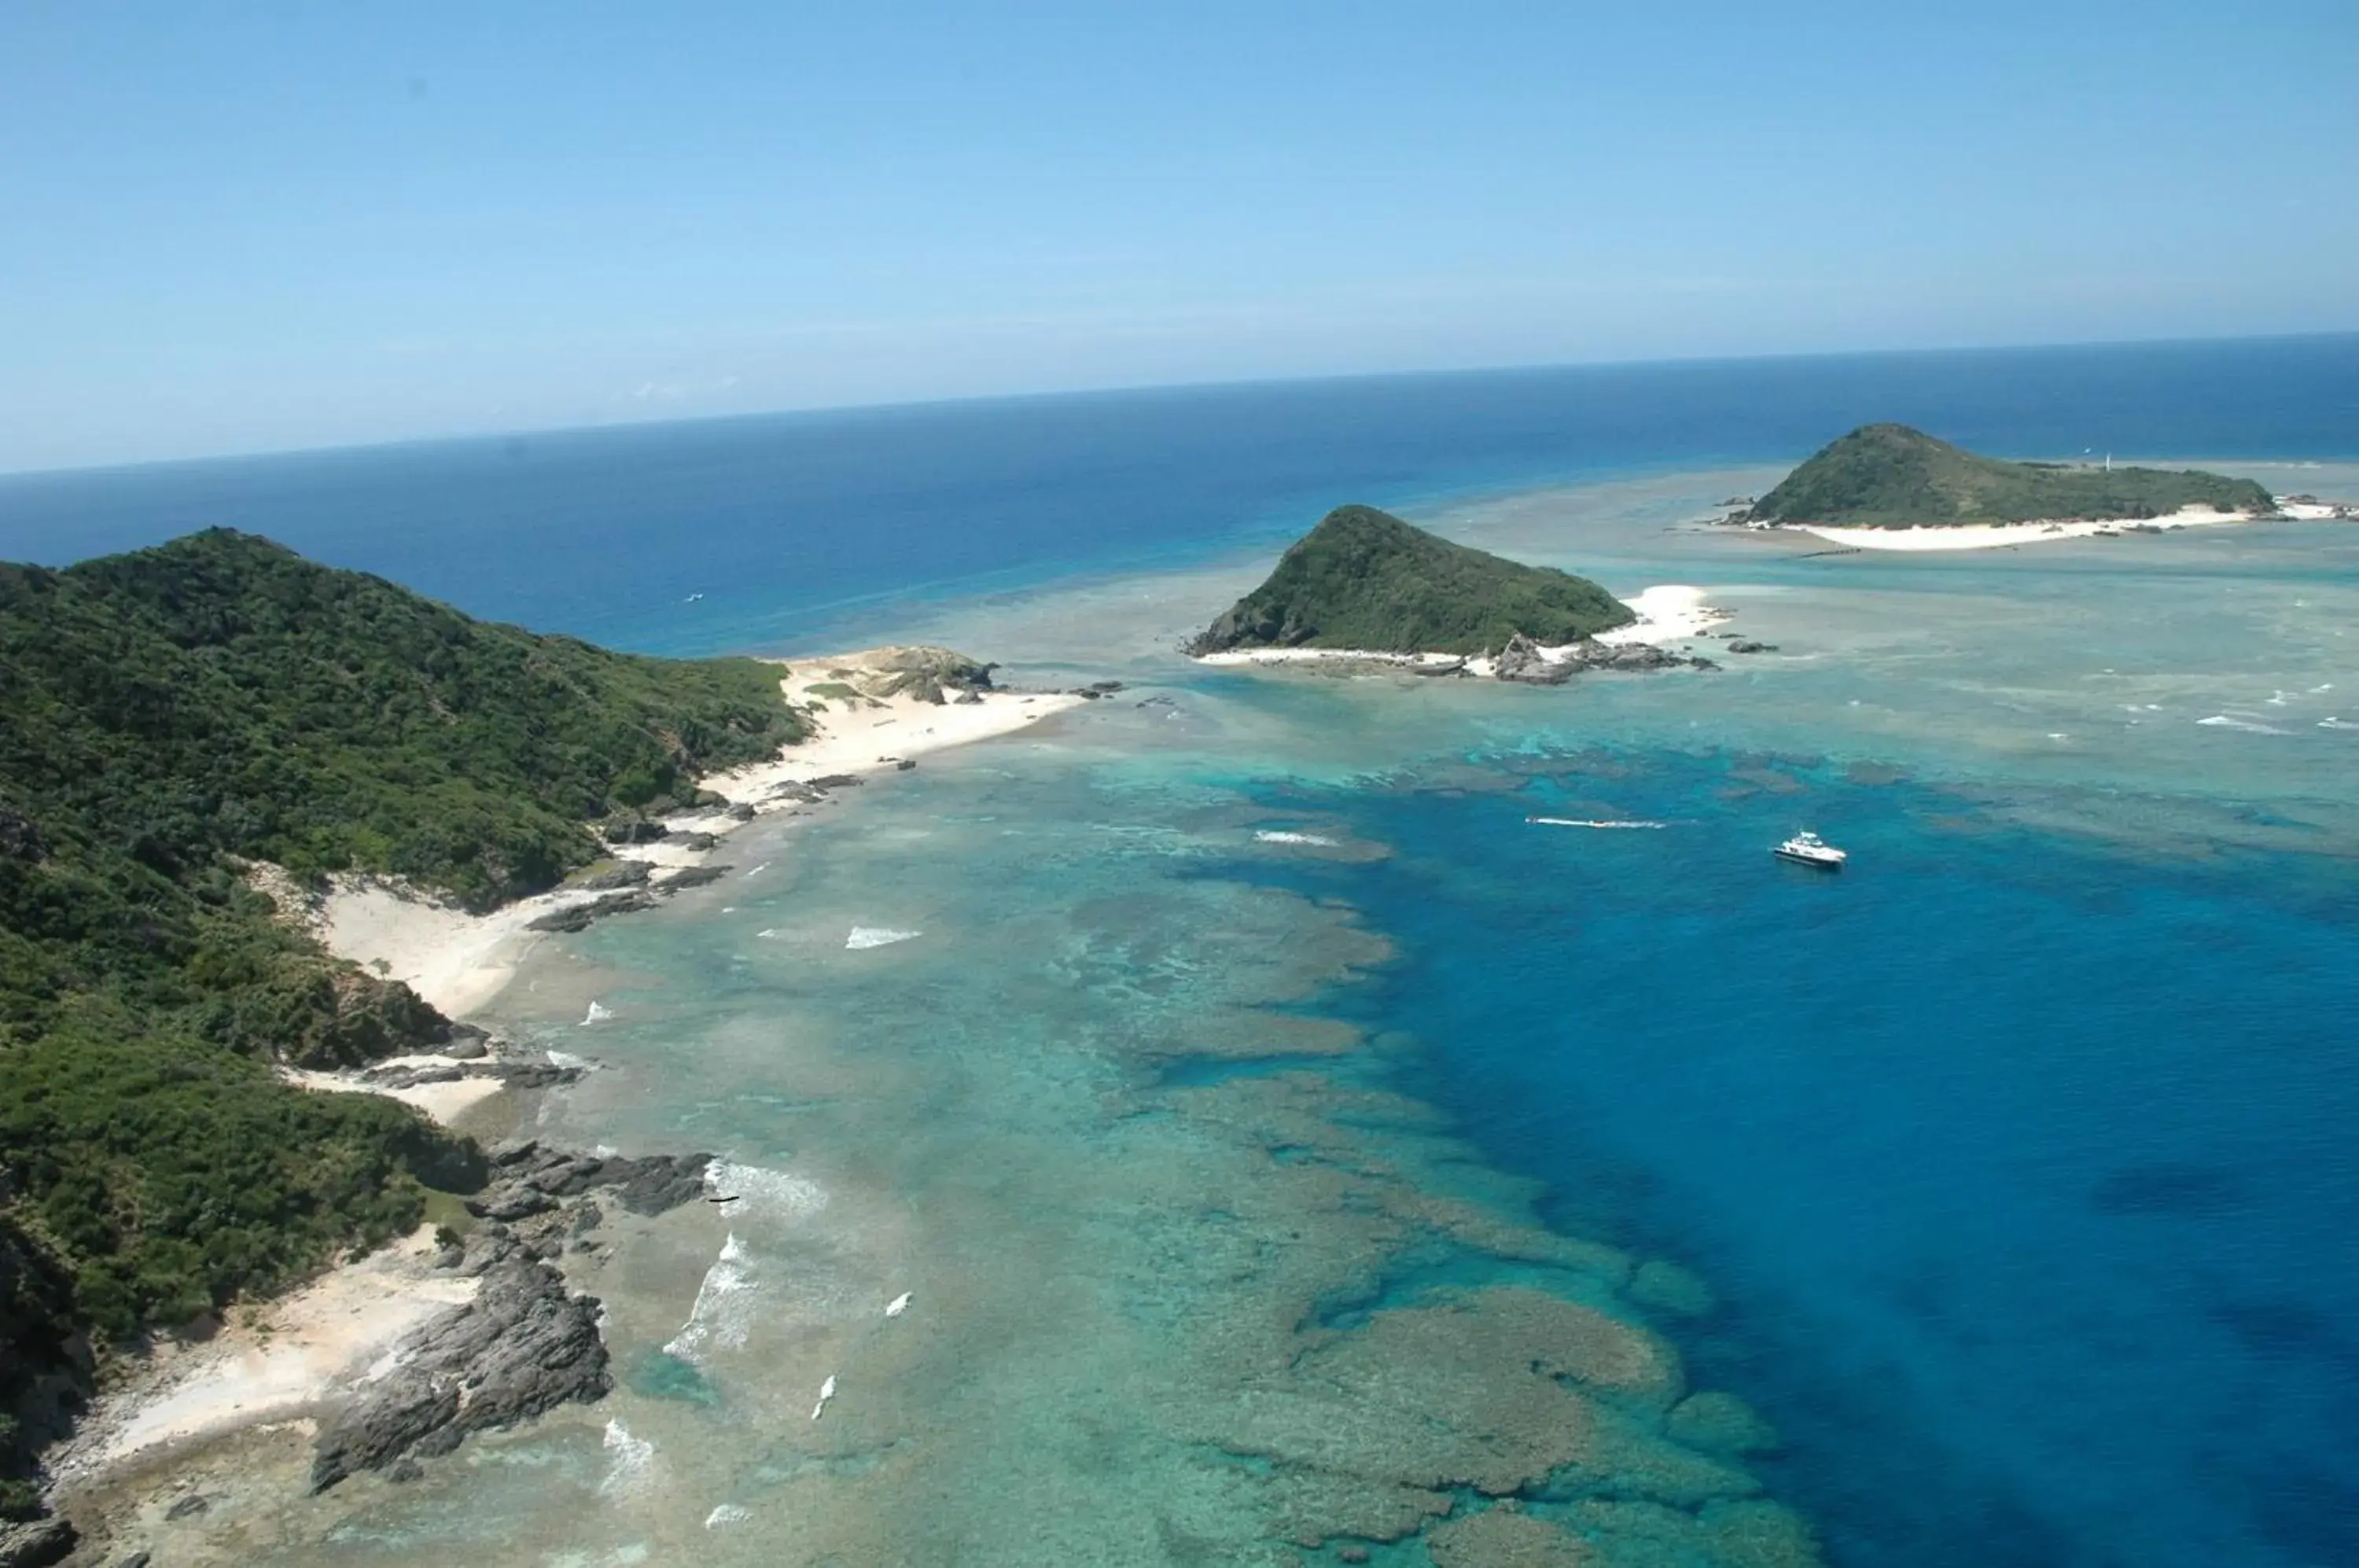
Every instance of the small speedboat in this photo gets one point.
(1810, 849)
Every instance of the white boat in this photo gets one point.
(1810, 849)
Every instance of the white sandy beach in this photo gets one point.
(444, 1102)
(274, 1363)
(1668, 612)
(1998, 536)
(460, 961)
(873, 734)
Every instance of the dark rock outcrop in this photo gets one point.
(530, 1178)
(634, 830)
(614, 873)
(577, 916)
(695, 877)
(36, 1545)
(1521, 661)
(347, 1017)
(525, 1346)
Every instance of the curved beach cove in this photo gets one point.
(1252, 1117)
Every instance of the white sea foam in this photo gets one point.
(2332, 723)
(1588, 822)
(759, 869)
(2230, 721)
(727, 1513)
(774, 1194)
(567, 1059)
(1280, 835)
(596, 1013)
(628, 1461)
(769, 934)
(877, 936)
(723, 1311)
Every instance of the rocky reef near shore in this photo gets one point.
(1525, 660)
(526, 1344)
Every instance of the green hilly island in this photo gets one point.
(1363, 579)
(1890, 476)
(168, 715)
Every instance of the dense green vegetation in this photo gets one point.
(220, 693)
(164, 717)
(1363, 579)
(1889, 476)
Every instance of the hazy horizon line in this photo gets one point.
(522, 432)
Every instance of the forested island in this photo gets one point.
(1891, 476)
(167, 718)
(1365, 580)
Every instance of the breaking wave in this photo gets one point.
(774, 1194)
(723, 1310)
(628, 1461)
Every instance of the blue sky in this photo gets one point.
(252, 226)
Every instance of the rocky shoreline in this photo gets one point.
(526, 1344)
(522, 1344)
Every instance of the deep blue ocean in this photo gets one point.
(801, 529)
(2025, 1173)
(2023, 1167)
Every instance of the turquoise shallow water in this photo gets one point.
(1264, 1197)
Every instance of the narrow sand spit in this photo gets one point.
(1995, 536)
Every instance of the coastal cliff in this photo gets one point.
(1365, 580)
(1891, 476)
